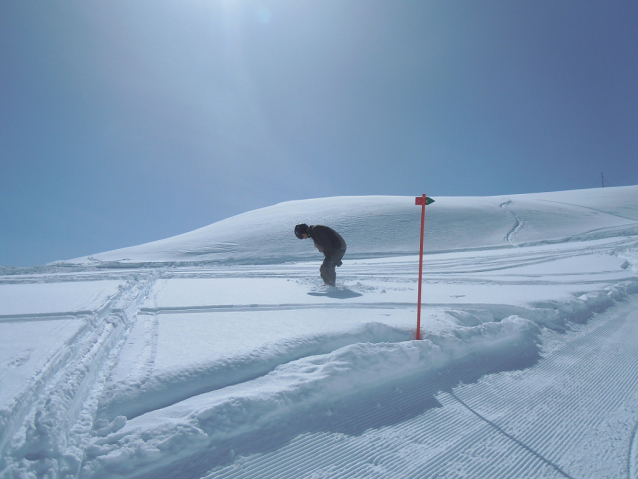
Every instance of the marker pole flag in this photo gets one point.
(421, 200)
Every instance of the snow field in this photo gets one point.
(181, 359)
(30, 301)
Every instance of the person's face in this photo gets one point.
(304, 235)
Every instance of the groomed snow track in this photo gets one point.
(572, 403)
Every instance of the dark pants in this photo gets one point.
(327, 269)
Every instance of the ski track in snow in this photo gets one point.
(517, 223)
(54, 416)
(542, 387)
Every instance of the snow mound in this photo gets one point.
(381, 226)
(213, 419)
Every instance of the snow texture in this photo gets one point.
(219, 354)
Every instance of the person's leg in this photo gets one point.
(327, 271)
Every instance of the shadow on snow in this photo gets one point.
(336, 293)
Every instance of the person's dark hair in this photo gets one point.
(300, 230)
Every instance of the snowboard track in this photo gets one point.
(55, 412)
(518, 224)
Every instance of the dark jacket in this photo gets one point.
(327, 240)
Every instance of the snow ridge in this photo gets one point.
(162, 390)
(210, 420)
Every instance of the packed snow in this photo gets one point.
(220, 354)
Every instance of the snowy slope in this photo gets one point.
(383, 226)
(218, 354)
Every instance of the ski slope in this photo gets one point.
(218, 353)
(382, 226)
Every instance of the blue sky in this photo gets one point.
(123, 122)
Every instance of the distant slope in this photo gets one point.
(377, 226)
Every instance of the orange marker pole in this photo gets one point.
(420, 200)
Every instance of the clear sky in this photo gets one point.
(123, 122)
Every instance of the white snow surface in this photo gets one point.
(219, 353)
(382, 226)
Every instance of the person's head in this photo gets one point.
(301, 231)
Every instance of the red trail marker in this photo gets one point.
(421, 200)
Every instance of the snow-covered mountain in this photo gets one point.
(380, 226)
(219, 354)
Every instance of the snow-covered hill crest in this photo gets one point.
(381, 226)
